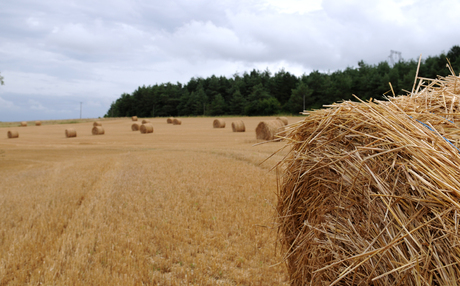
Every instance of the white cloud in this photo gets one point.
(35, 105)
(58, 53)
(94, 103)
(206, 41)
(294, 6)
(5, 104)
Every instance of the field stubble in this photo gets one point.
(186, 205)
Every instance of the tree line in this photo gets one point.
(263, 93)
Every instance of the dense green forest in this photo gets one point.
(264, 93)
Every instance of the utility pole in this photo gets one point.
(304, 102)
(80, 108)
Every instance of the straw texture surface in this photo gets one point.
(146, 128)
(370, 191)
(283, 119)
(238, 126)
(98, 130)
(218, 123)
(70, 132)
(268, 130)
(13, 134)
(135, 127)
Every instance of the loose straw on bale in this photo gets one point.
(13, 134)
(23, 123)
(135, 127)
(268, 130)
(145, 121)
(134, 118)
(146, 128)
(38, 123)
(98, 130)
(238, 126)
(170, 120)
(177, 121)
(70, 132)
(283, 119)
(218, 123)
(97, 123)
(370, 192)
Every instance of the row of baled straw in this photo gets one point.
(265, 130)
(370, 192)
(237, 126)
(24, 123)
(97, 130)
(170, 120)
(173, 121)
(15, 133)
(144, 128)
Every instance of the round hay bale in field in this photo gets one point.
(97, 123)
(177, 121)
(98, 130)
(145, 121)
(38, 123)
(135, 127)
(170, 120)
(238, 126)
(369, 193)
(70, 132)
(268, 130)
(134, 118)
(146, 128)
(218, 123)
(23, 124)
(13, 134)
(284, 119)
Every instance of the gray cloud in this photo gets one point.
(54, 54)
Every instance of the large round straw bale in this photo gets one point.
(145, 121)
(135, 127)
(218, 123)
(23, 123)
(170, 120)
(70, 132)
(134, 118)
(238, 126)
(38, 123)
(369, 193)
(146, 128)
(267, 130)
(284, 119)
(13, 134)
(97, 123)
(98, 130)
(177, 121)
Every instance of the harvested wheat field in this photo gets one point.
(188, 206)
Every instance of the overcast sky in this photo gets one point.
(55, 54)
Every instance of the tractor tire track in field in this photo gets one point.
(47, 212)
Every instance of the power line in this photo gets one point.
(392, 60)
